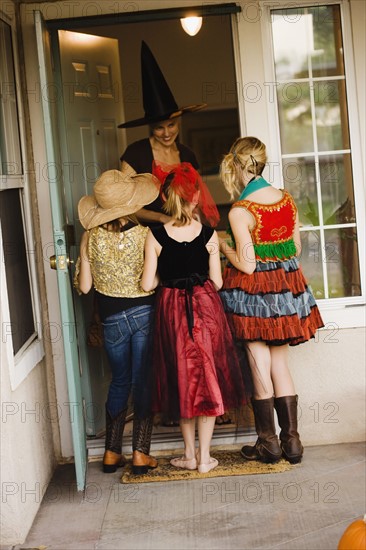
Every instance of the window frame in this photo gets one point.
(32, 351)
(345, 312)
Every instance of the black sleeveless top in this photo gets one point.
(179, 260)
(184, 265)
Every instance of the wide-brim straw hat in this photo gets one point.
(158, 100)
(116, 195)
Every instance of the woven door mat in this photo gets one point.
(231, 463)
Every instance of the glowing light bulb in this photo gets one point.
(191, 25)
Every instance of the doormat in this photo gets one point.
(231, 463)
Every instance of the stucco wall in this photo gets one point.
(329, 376)
(27, 450)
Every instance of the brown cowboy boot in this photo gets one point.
(141, 439)
(286, 408)
(113, 457)
(267, 448)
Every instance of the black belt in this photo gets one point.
(187, 284)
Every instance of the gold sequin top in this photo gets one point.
(117, 260)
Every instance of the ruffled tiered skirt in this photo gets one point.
(274, 304)
(198, 375)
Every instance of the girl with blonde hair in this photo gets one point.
(266, 297)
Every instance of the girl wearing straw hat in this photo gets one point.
(111, 261)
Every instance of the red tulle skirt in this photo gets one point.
(199, 375)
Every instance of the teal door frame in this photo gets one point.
(69, 333)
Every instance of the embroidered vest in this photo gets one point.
(273, 231)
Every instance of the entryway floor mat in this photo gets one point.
(231, 463)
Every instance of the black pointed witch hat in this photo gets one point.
(158, 100)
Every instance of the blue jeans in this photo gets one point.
(127, 340)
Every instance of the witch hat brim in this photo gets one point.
(158, 100)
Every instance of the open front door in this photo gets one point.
(61, 254)
(88, 71)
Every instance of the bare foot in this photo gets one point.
(204, 468)
(185, 463)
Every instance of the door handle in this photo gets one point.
(60, 262)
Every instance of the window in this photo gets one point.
(315, 144)
(19, 329)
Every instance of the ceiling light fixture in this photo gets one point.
(191, 25)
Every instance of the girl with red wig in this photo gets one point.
(196, 371)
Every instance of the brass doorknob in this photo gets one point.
(63, 262)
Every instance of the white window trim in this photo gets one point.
(32, 352)
(336, 312)
(238, 70)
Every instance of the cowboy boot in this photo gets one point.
(286, 408)
(141, 439)
(113, 457)
(267, 448)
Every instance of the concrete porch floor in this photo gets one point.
(307, 507)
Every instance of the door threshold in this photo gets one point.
(169, 441)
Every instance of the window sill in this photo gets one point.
(20, 367)
(342, 316)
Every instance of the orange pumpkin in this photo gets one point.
(354, 537)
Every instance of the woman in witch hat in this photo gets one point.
(161, 151)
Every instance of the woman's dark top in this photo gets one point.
(139, 155)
